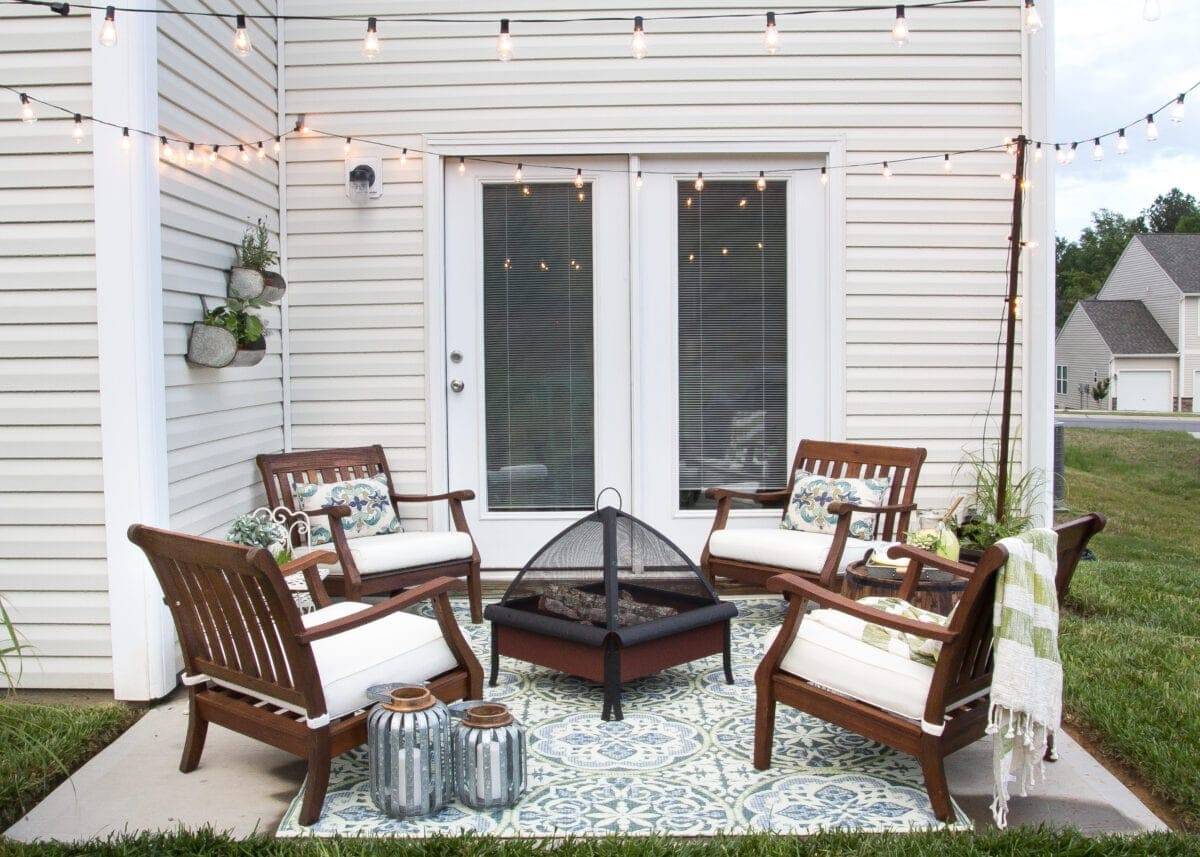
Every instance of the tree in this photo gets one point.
(1168, 209)
(1084, 265)
(1189, 223)
(1100, 390)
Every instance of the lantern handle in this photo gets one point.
(620, 499)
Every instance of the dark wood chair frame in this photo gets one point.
(839, 461)
(238, 622)
(957, 706)
(280, 471)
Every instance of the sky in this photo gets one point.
(1112, 67)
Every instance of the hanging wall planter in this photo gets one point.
(274, 287)
(211, 346)
(246, 283)
(252, 354)
(249, 279)
(214, 345)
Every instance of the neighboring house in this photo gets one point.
(1142, 331)
(875, 316)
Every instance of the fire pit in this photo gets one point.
(610, 599)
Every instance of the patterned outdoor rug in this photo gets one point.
(679, 764)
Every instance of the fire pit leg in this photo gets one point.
(495, 655)
(612, 684)
(727, 656)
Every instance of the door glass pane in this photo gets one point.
(538, 386)
(732, 337)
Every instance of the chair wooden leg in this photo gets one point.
(764, 727)
(197, 731)
(934, 768)
(318, 776)
(475, 593)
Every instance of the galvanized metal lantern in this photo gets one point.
(489, 757)
(408, 744)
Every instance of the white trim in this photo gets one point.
(285, 329)
(437, 451)
(129, 320)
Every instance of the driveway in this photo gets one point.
(1185, 422)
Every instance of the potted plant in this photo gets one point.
(249, 279)
(985, 524)
(228, 335)
(258, 530)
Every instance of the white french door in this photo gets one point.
(537, 342)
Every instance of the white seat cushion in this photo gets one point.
(857, 669)
(373, 554)
(792, 549)
(400, 647)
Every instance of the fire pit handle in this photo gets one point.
(620, 499)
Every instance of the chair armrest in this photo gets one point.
(465, 494)
(409, 597)
(331, 511)
(926, 557)
(842, 508)
(308, 565)
(792, 584)
(764, 495)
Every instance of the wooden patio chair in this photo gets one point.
(756, 555)
(254, 664)
(928, 712)
(379, 564)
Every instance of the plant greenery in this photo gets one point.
(257, 531)
(985, 523)
(255, 250)
(235, 316)
(1100, 389)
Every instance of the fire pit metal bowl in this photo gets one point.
(610, 599)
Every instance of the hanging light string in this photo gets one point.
(241, 148)
(1174, 107)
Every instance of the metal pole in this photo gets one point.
(1014, 260)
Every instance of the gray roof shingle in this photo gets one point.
(1179, 256)
(1127, 327)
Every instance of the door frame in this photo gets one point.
(442, 147)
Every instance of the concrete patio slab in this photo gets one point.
(243, 786)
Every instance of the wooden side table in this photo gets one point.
(938, 591)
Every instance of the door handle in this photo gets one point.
(457, 386)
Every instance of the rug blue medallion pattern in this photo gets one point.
(678, 764)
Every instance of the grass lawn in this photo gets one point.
(1131, 633)
(41, 744)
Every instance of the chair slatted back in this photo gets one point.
(1073, 538)
(866, 461)
(235, 618)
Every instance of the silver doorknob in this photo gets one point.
(457, 385)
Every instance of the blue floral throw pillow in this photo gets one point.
(808, 508)
(371, 512)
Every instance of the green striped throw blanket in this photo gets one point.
(1026, 703)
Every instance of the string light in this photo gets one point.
(699, 184)
(278, 144)
(887, 170)
(1033, 21)
(1037, 152)
(243, 155)
(371, 40)
(579, 178)
(262, 151)
(302, 124)
(824, 176)
(191, 153)
(771, 35)
(212, 154)
(761, 184)
(638, 44)
(1072, 152)
(1006, 177)
(1151, 128)
(28, 114)
(1151, 11)
(637, 182)
(241, 39)
(126, 140)
(1177, 109)
(462, 166)
(946, 165)
(108, 30)
(1122, 142)
(1010, 146)
(1060, 155)
(900, 28)
(77, 129)
(346, 147)
(504, 45)
(404, 157)
(1097, 150)
(164, 149)
(520, 171)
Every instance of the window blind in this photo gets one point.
(538, 378)
(732, 337)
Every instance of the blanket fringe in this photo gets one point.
(1025, 740)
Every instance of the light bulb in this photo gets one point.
(1026, 184)
(346, 147)
(520, 171)
(1016, 307)
(1097, 150)
(302, 124)
(462, 166)
(1177, 109)
(761, 184)
(900, 28)
(1037, 152)
(164, 149)
(1010, 146)
(1033, 21)
(1151, 128)
(887, 171)
(771, 35)
(262, 151)
(579, 178)
(1071, 153)
(212, 154)
(243, 155)
(126, 140)
(28, 114)
(637, 182)
(1006, 177)
(77, 130)
(371, 40)
(108, 30)
(699, 184)
(824, 176)
(638, 44)
(278, 144)
(1122, 142)
(1060, 155)
(241, 39)
(191, 153)
(1151, 11)
(946, 165)
(504, 43)
(403, 157)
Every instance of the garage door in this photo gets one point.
(1144, 391)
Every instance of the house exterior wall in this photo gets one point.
(53, 575)
(1190, 350)
(1080, 348)
(925, 252)
(1136, 276)
(217, 419)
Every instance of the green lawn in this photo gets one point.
(41, 744)
(1131, 634)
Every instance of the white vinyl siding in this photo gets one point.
(1086, 357)
(1136, 276)
(53, 577)
(925, 252)
(1191, 347)
(217, 419)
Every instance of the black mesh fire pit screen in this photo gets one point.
(610, 599)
